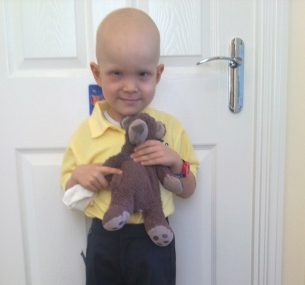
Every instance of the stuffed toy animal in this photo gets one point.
(138, 188)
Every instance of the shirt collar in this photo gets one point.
(98, 123)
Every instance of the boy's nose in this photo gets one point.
(130, 85)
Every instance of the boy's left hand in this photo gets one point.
(154, 152)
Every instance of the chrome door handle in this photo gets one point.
(233, 61)
(236, 73)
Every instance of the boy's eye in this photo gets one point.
(116, 73)
(144, 74)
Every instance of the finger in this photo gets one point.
(109, 170)
(96, 181)
(149, 162)
(147, 144)
(151, 159)
(102, 181)
(150, 150)
(138, 157)
(93, 186)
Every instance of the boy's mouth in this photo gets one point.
(130, 99)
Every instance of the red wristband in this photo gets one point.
(185, 170)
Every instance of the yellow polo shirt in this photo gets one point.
(97, 139)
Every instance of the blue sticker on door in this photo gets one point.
(95, 95)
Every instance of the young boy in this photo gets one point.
(128, 70)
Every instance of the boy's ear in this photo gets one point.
(160, 69)
(96, 72)
(161, 131)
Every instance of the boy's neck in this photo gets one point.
(110, 119)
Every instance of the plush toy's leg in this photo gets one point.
(171, 182)
(114, 219)
(157, 228)
(161, 235)
(121, 206)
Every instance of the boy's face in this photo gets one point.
(128, 69)
(128, 85)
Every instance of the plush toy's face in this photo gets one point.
(142, 127)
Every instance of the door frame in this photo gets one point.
(270, 76)
(270, 136)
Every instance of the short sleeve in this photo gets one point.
(187, 152)
(68, 165)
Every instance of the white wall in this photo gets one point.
(294, 217)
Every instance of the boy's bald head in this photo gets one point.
(127, 28)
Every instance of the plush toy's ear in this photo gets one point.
(160, 132)
(125, 122)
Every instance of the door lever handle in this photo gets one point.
(233, 61)
(236, 73)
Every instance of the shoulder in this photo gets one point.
(83, 131)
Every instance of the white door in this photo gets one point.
(228, 232)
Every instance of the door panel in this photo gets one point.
(45, 48)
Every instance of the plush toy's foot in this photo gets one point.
(173, 184)
(161, 235)
(115, 223)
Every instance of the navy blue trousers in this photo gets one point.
(127, 257)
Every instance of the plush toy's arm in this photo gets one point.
(170, 181)
(115, 162)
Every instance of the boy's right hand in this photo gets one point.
(91, 176)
